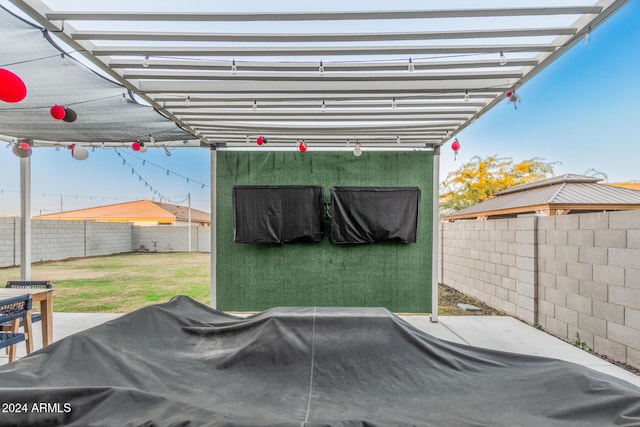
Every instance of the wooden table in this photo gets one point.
(45, 298)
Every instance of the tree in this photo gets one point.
(479, 179)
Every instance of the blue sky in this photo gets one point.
(582, 110)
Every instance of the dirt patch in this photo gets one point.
(448, 298)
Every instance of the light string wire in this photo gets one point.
(168, 171)
(171, 200)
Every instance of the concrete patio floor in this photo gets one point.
(494, 332)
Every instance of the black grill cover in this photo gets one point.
(182, 363)
(278, 214)
(374, 214)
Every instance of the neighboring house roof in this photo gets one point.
(140, 210)
(551, 196)
(629, 185)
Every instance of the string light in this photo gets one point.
(234, 67)
(187, 101)
(466, 95)
(411, 67)
(254, 107)
(398, 139)
(503, 59)
(148, 185)
(321, 68)
(145, 62)
(393, 103)
(63, 59)
(323, 107)
(357, 150)
(167, 171)
(152, 140)
(124, 98)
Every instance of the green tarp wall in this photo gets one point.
(253, 277)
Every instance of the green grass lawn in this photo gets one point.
(125, 282)
(121, 283)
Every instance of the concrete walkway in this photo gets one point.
(495, 332)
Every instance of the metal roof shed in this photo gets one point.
(559, 195)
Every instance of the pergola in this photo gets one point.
(409, 78)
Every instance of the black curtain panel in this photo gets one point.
(278, 214)
(374, 214)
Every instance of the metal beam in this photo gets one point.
(316, 77)
(317, 37)
(330, 66)
(231, 52)
(319, 16)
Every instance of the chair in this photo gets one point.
(30, 284)
(12, 310)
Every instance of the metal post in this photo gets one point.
(189, 199)
(214, 204)
(435, 246)
(25, 218)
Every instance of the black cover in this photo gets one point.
(278, 214)
(182, 363)
(374, 214)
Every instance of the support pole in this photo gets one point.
(25, 218)
(189, 200)
(214, 204)
(435, 246)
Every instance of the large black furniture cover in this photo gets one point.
(278, 214)
(182, 363)
(374, 214)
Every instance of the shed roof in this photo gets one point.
(226, 74)
(568, 192)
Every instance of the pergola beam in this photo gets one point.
(232, 52)
(330, 66)
(320, 16)
(316, 77)
(315, 38)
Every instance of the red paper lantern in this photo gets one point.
(12, 88)
(302, 147)
(455, 146)
(58, 112)
(135, 146)
(261, 140)
(508, 95)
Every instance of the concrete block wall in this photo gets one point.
(57, 240)
(572, 274)
(493, 261)
(7, 241)
(164, 238)
(589, 281)
(104, 238)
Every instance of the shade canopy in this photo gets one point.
(327, 73)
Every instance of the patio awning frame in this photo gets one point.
(456, 73)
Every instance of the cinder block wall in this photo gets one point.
(57, 240)
(493, 261)
(586, 274)
(103, 238)
(7, 241)
(164, 238)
